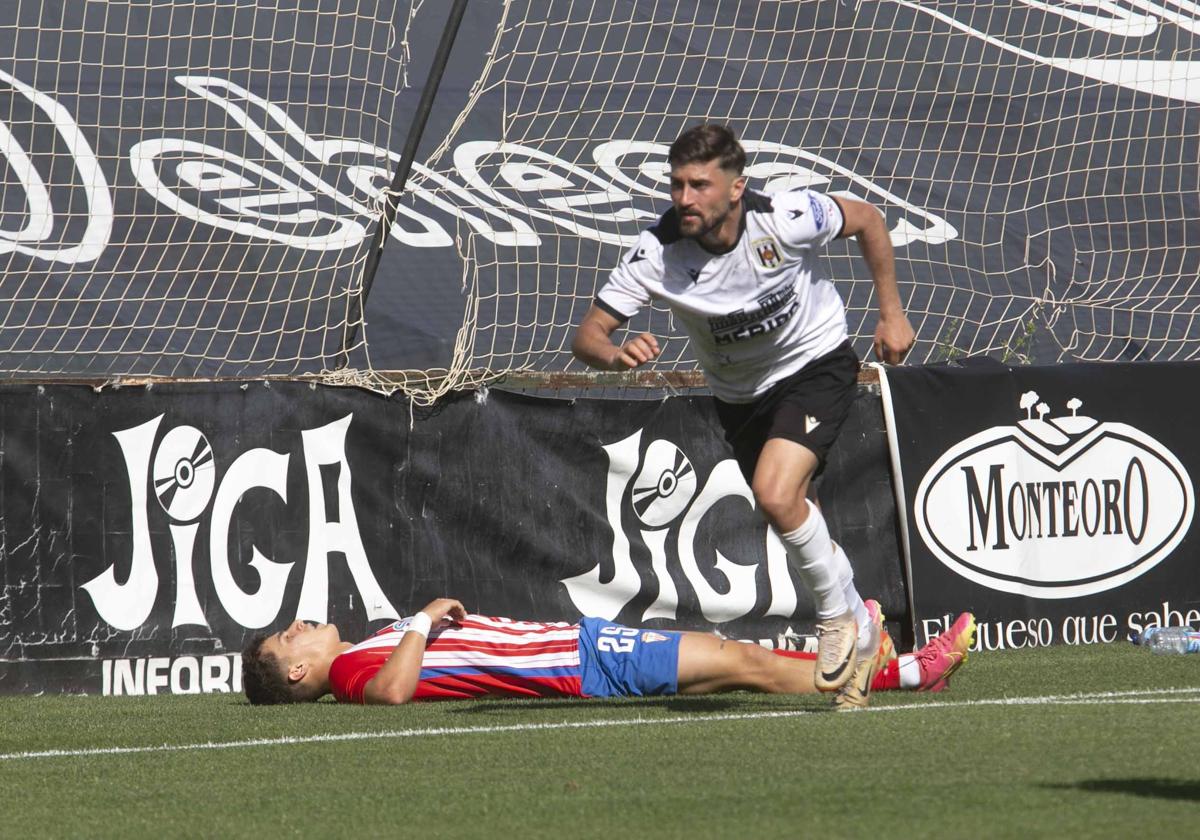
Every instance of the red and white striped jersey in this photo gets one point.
(476, 657)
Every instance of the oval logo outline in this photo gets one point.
(998, 436)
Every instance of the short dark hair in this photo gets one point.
(705, 142)
(262, 676)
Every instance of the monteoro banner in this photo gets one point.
(1056, 502)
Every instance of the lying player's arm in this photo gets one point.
(396, 681)
(894, 336)
(594, 347)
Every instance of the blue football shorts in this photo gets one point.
(619, 661)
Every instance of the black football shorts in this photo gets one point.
(809, 408)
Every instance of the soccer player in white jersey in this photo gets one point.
(443, 653)
(744, 274)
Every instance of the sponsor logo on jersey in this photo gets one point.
(774, 310)
(651, 636)
(818, 210)
(1054, 507)
(767, 252)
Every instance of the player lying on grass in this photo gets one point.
(444, 653)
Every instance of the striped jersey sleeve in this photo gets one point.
(480, 656)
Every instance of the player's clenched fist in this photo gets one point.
(636, 352)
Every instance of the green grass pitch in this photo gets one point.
(1064, 742)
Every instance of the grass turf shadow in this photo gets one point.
(1187, 790)
(695, 705)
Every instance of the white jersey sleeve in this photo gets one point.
(627, 289)
(806, 217)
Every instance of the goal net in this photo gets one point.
(1036, 162)
(190, 187)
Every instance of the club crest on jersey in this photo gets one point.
(767, 252)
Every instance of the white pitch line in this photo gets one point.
(1166, 695)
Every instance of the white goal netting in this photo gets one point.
(190, 187)
(1036, 161)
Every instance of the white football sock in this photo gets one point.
(910, 671)
(810, 552)
(853, 599)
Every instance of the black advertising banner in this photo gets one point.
(1055, 502)
(148, 532)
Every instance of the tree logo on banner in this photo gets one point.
(1054, 507)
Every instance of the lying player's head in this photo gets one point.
(706, 177)
(291, 666)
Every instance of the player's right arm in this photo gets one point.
(625, 292)
(593, 344)
(396, 682)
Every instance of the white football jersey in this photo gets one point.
(755, 314)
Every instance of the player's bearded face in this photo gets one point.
(704, 196)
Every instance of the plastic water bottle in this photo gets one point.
(1140, 639)
(1170, 640)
